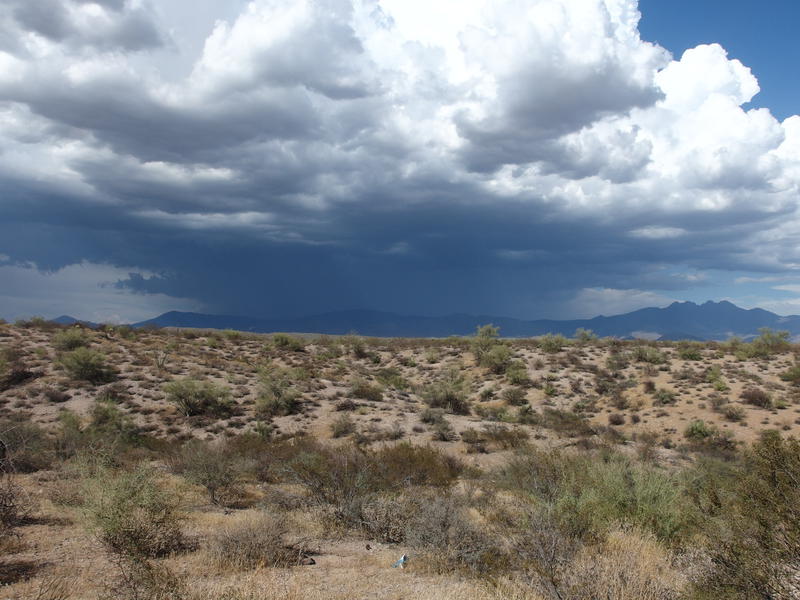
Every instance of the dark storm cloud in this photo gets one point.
(132, 28)
(315, 159)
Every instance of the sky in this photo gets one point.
(536, 158)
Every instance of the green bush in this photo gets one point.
(194, 397)
(648, 354)
(485, 339)
(132, 515)
(517, 373)
(590, 497)
(87, 365)
(277, 395)
(449, 392)
(514, 396)
(755, 543)
(552, 343)
(497, 359)
(289, 342)
(698, 431)
(70, 339)
(792, 374)
(662, 397)
(366, 391)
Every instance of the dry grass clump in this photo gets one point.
(629, 565)
(253, 542)
(756, 397)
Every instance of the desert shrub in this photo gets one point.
(194, 397)
(765, 345)
(792, 374)
(628, 565)
(589, 497)
(698, 431)
(485, 339)
(754, 547)
(432, 416)
(443, 432)
(447, 540)
(565, 422)
(552, 343)
(138, 578)
(475, 441)
(254, 542)
(517, 373)
(505, 437)
(288, 342)
(108, 421)
(132, 515)
(15, 505)
(212, 466)
(277, 395)
(449, 392)
(70, 339)
(690, 351)
(26, 447)
(342, 426)
(733, 413)
(87, 365)
(391, 377)
(339, 479)
(616, 419)
(756, 397)
(366, 391)
(585, 336)
(662, 397)
(497, 359)
(648, 354)
(406, 464)
(514, 396)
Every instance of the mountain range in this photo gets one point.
(678, 321)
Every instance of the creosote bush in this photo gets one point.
(88, 365)
(70, 339)
(277, 394)
(211, 465)
(194, 398)
(132, 515)
(448, 392)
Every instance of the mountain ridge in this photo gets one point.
(680, 320)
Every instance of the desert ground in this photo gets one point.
(156, 464)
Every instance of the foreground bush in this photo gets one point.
(132, 515)
(755, 545)
(255, 542)
(590, 497)
(194, 397)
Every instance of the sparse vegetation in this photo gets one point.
(220, 483)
